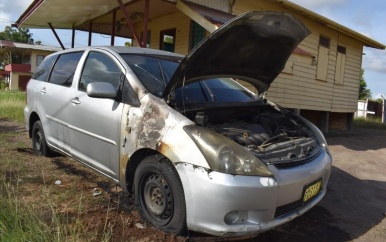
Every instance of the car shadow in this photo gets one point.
(6, 125)
(359, 139)
(350, 208)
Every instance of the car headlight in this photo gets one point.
(224, 155)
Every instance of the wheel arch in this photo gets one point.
(32, 119)
(133, 163)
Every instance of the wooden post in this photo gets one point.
(129, 22)
(113, 27)
(146, 20)
(89, 33)
(73, 37)
(56, 35)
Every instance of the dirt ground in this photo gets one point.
(354, 208)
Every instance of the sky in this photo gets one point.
(365, 17)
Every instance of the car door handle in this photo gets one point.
(75, 100)
(43, 90)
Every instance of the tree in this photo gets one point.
(364, 92)
(17, 35)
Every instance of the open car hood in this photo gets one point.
(253, 46)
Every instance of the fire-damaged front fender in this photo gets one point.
(157, 127)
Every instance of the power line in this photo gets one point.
(11, 21)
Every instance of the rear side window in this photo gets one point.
(44, 68)
(64, 68)
(100, 68)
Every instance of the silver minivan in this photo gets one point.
(198, 150)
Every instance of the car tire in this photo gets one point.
(39, 143)
(159, 195)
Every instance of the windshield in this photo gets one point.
(214, 90)
(153, 71)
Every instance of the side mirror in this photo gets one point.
(101, 90)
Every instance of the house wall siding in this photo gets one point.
(302, 89)
(179, 21)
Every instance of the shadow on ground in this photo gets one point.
(350, 209)
(7, 126)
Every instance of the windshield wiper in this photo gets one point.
(212, 96)
(162, 72)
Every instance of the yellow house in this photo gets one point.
(320, 80)
(20, 61)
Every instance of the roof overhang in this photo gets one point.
(77, 14)
(331, 24)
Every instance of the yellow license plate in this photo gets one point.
(312, 190)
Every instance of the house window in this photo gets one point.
(26, 59)
(39, 59)
(197, 33)
(324, 41)
(148, 39)
(322, 66)
(168, 40)
(340, 65)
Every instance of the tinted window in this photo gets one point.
(218, 90)
(153, 71)
(64, 69)
(100, 68)
(44, 68)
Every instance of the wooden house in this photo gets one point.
(320, 80)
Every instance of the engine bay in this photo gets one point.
(275, 137)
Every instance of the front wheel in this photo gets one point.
(39, 143)
(159, 194)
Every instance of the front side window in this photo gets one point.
(154, 72)
(64, 68)
(42, 71)
(100, 68)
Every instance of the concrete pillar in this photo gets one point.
(350, 118)
(325, 121)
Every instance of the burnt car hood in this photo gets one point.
(253, 46)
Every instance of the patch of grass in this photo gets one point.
(33, 208)
(369, 123)
(12, 104)
(22, 220)
(19, 222)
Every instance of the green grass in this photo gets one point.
(30, 203)
(12, 104)
(369, 123)
(18, 221)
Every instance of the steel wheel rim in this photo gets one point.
(157, 197)
(38, 140)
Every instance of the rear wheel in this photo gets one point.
(159, 194)
(39, 143)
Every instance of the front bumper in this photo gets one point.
(233, 205)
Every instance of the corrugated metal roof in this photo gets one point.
(11, 44)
